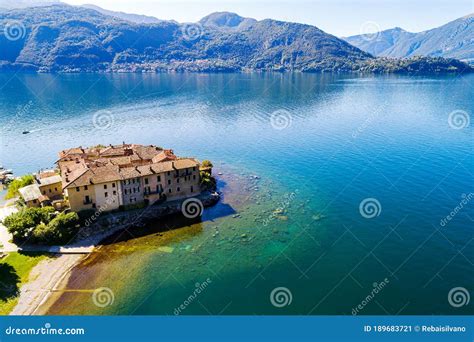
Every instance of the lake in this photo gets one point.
(341, 194)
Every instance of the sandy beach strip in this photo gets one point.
(44, 280)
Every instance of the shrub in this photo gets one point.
(60, 230)
(207, 181)
(39, 225)
(17, 184)
(21, 224)
(206, 163)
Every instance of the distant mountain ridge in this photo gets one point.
(135, 18)
(63, 38)
(452, 40)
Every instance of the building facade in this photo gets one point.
(123, 176)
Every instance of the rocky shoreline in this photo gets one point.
(49, 275)
(107, 224)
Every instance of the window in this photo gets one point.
(105, 186)
(34, 201)
(169, 173)
(115, 192)
(77, 189)
(177, 180)
(192, 189)
(158, 178)
(178, 189)
(113, 185)
(194, 168)
(44, 192)
(194, 177)
(87, 200)
(146, 180)
(169, 181)
(49, 190)
(106, 194)
(55, 189)
(85, 187)
(134, 190)
(169, 190)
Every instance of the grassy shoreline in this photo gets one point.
(15, 269)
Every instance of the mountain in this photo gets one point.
(10, 4)
(134, 18)
(227, 21)
(377, 44)
(453, 40)
(63, 38)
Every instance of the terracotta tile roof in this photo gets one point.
(96, 175)
(113, 163)
(164, 156)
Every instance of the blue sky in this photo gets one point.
(338, 17)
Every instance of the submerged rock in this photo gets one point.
(318, 217)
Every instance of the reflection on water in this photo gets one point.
(347, 138)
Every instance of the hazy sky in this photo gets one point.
(339, 17)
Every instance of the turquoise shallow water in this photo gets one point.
(319, 145)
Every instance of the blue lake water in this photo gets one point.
(319, 146)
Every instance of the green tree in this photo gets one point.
(207, 181)
(206, 163)
(22, 223)
(41, 225)
(17, 184)
(60, 230)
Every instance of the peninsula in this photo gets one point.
(119, 179)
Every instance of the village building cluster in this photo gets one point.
(113, 177)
